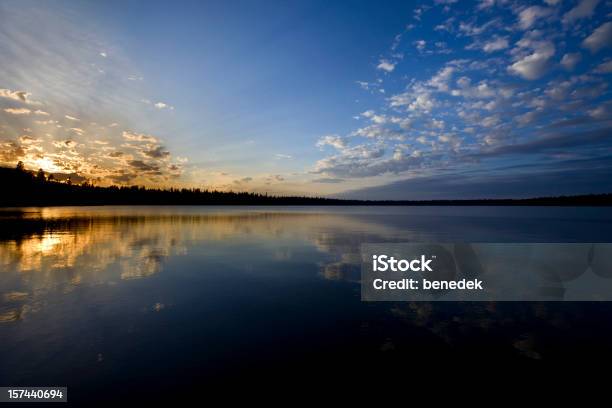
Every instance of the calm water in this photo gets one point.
(154, 299)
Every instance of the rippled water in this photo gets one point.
(159, 298)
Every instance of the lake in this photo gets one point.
(145, 301)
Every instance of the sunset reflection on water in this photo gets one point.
(88, 295)
(60, 249)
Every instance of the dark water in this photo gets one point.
(119, 302)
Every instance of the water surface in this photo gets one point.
(160, 298)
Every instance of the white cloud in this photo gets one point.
(386, 65)
(491, 121)
(368, 160)
(481, 91)
(103, 54)
(485, 4)
(604, 68)
(72, 118)
(526, 118)
(584, 9)
(18, 111)
(46, 122)
(440, 80)
(530, 15)
(243, 180)
(470, 29)
(438, 124)
(601, 38)
(534, 65)
(20, 96)
(14, 95)
(492, 99)
(418, 99)
(601, 112)
(569, 61)
(378, 131)
(162, 105)
(370, 114)
(138, 137)
(332, 140)
(499, 43)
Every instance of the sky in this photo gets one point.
(360, 99)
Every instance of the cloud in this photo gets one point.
(364, 85)
(142, 166)
(485, 4)
(470, 29)
(584, 9)
(20, 96)
(554, 141)
(162, 105)
(59, 62)
(602, 112)
(11, 152)
(156, 152)
(335, 141)
(491, 121)
(497, 44)
(370, 114)
(138, 137)
(476, 110)
(441, 79)
(386, 65)
(482, 90)
(378, 131)
(282, 156)
(420, 44)
(418, 99)
(553, 179)
(569, 61)
(530, 15)
(536, 64)
(18, 111)
(122, 177)
(367, 161)
(244, 180)
(14, 95)
(604, 68)
(46, 122)
(328, 180)
(600, 38)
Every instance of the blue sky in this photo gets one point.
(435, 99)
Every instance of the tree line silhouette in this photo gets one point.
(21, 187)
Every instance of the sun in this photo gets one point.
(44, 163)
